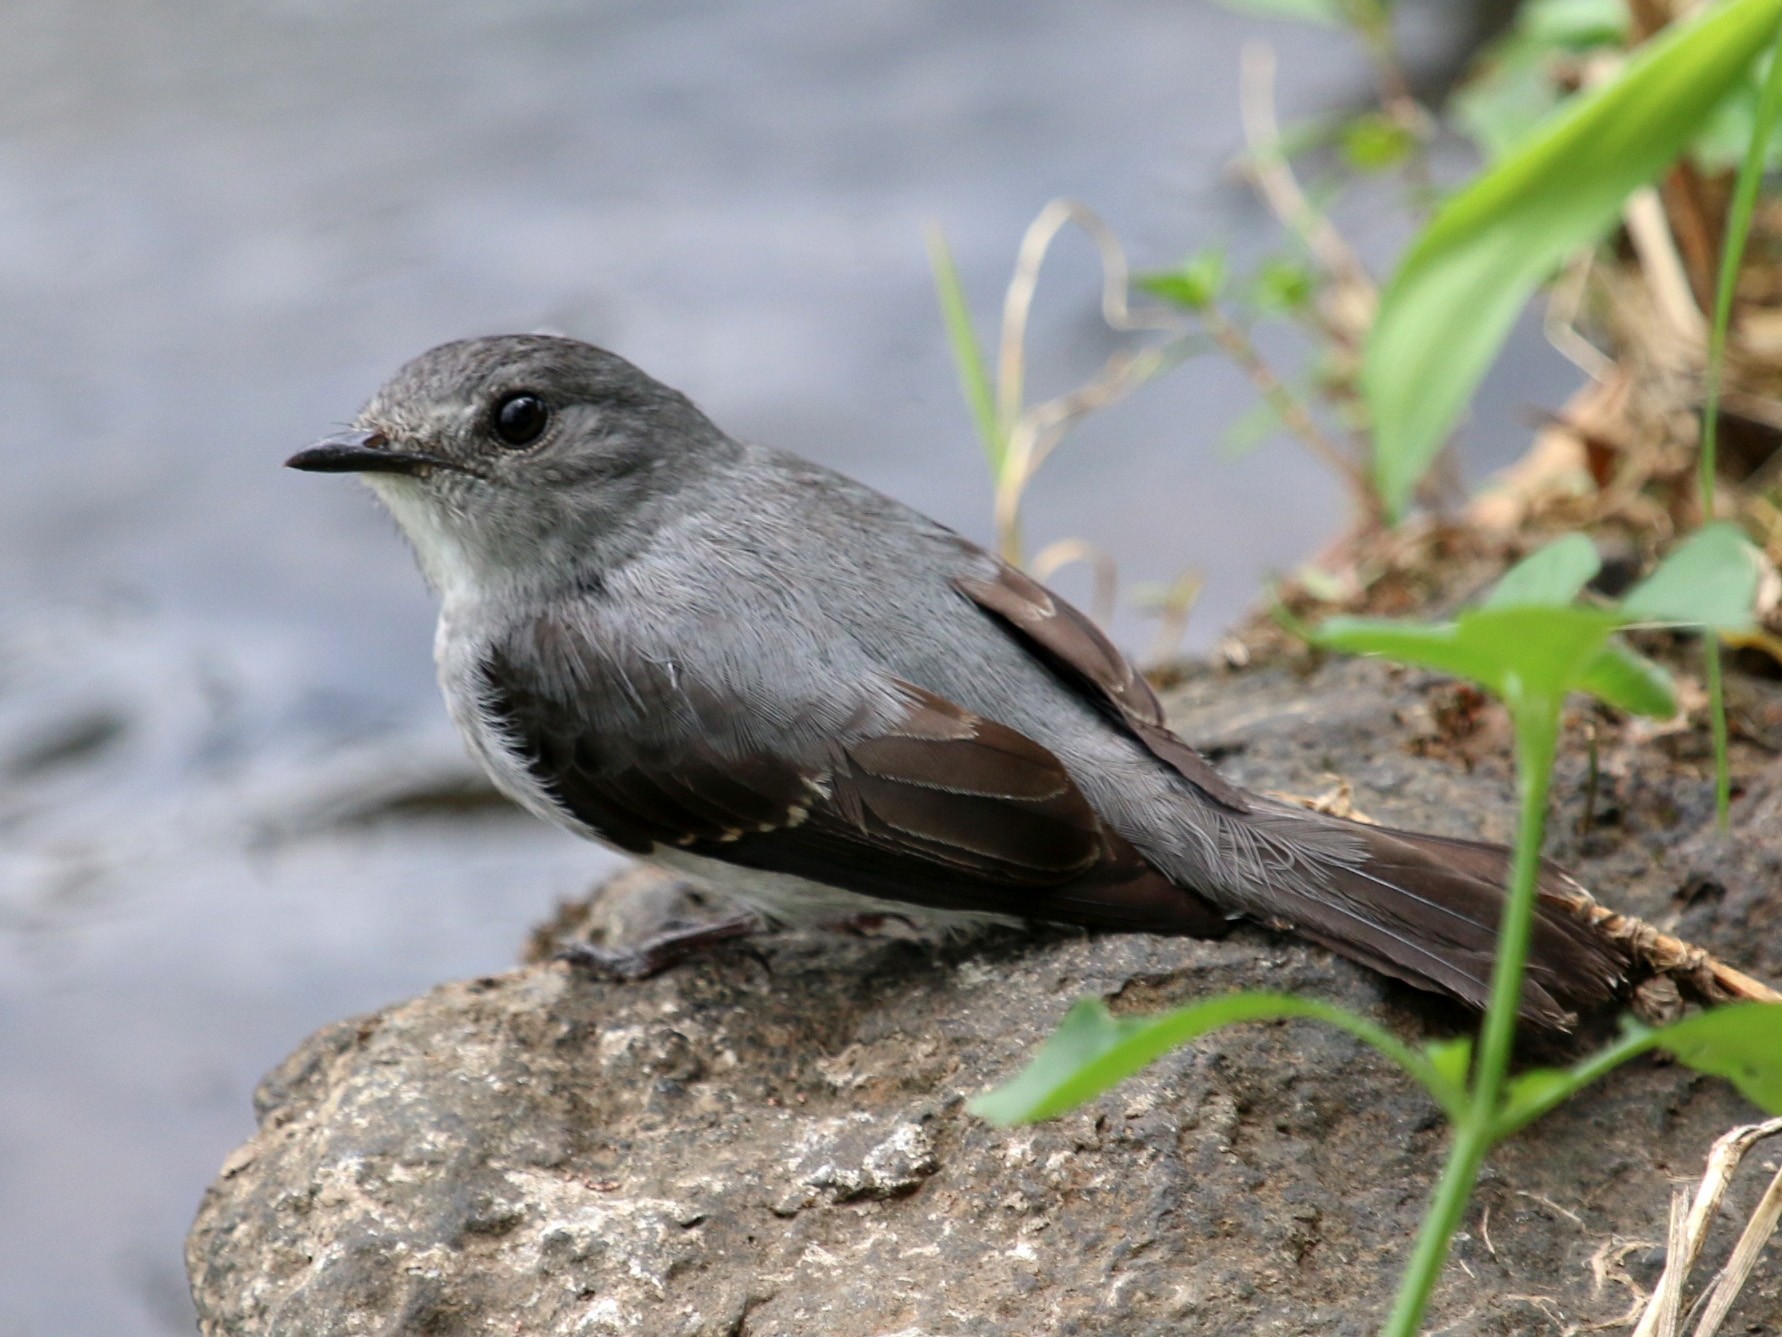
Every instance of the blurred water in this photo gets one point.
(222, 224)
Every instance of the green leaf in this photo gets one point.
(1092, 1050)
(1629, 681)
(1548, 577)
(1453, 1059)
(1374, 142)
(1741, 1042)
(1460, 286)
(1438, 646)
(1195, 284)
(1530, 1094)
(968, 355)
(1283, 286)
(1709, 581)
(1727, 139)
(1508, 99)
(1542, 651)
(1329, 12)
(1515, 652)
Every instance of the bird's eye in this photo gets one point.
(519, 419)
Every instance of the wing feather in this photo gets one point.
(1074, 646)
(936, 806)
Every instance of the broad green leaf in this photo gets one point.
(968, 356)
(1092, 1050)
(1195, 284)
(1549, 577)
(1463, 281)
(1309, 11)
(1741, 1042)
(1629, 681)
(1543, 651)
(1515, 652)
(1709, 581)
(1438, 646)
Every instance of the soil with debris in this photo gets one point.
(772, 1140)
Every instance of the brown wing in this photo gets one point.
(942, 808)
(1072, 645)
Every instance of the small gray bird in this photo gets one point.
(755, 671)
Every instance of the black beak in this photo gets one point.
(359, 452)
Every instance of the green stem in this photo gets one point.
(1537, 739)
(1717, 726)
(1732, 255)
(1472, 1140)
(1514, 1119)
(1537, 736)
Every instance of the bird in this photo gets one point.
(769, 678)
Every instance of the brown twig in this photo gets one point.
(1685, 193)
(1689, 206)
(1732, 1278)
(1017, 304)
(1709, 979)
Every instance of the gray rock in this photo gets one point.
(772, 1140)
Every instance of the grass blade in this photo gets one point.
(968, 354)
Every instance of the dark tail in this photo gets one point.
(1425, 909)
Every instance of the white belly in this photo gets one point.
(784, 899)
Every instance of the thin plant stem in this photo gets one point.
(1472, 1140)
(1236, 345)
(1537, 736)
(1026, 435)
(1373, 24)
(1732, 255)
(1717, 724)
(1351, 314)
(1581, 1075)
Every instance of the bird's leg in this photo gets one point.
(659, 952)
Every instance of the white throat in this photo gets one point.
(445, 560)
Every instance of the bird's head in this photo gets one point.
(516, 457)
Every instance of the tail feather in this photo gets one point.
(1426, 910)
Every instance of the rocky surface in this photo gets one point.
(772, 1141)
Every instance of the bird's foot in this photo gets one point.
(660, 952)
